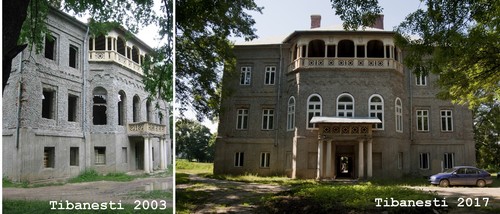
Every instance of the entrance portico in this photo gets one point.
(338, 140)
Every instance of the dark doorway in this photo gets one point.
(139, 155)
(345, 166)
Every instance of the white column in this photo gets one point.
(151, 165)
(334, 164)
(162, 153)
(146, 154)
(168, 152)
(320, 160)
(369, 158)
(361, 169)
(329, 159)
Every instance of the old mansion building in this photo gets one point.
(79, 104)
(327, 103)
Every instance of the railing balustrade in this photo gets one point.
(107, 56)
(146, 128)
(330, 62)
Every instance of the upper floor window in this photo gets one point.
(72, 107)
(50, 47)
(270, 75)
(375, 49)
(399, 115)
(246, 75)
(313, 109)
(316, 48)
(136, 102)
(242, 119)
(421, 80)
(122, 108)
(376, 109)
(446, 120)
(49, 101)
(100, 106)
(345, 48)
(267, 119)
(73, 56)
(345, 105)
(422, 120)
(290, 122)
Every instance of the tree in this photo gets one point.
(487, 136)
(202, 49)
(457, 39)
(193, 141)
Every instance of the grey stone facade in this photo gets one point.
(80, 103)
(357, 75)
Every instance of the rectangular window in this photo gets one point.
(424, 160)
(360, 51)
(238, 159)
(270, 75)
(72, 107)
(400, 160)
(264, 159)
(242, 119)
(267, 119)
(49, 157)
(449, 160)
(73, 56)
(446, 121)
(74, 156)
(124, 155)
(421, 80)
(100, 155)
(48, 103)
(422, 120)
(50, 47)
(246, 75)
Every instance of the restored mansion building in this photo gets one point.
(327, 103)
(79, 104)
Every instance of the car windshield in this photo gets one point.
(449, 170)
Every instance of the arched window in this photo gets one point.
(99, 106)
(375, 49)
(345, 105)
(120, 46)
(376, 109)
(346, 48)
(136, 109)
(313, 109)
(135, 54)
(122, 116)
(290, 122)
(316, 48)
(399, 115)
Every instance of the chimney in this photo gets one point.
(315, 21)
(379, 22)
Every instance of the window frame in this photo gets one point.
(290, 122)
(99, 158)
(270, 75)
(267, 119)
(398, 108)
(242, 118)
(265, 158)
(423, 122)
(76, 57)
(424, 164)
(376, 111)
(315, 111)
(245, 75)
(345, 111)
(49, 157)
(52, 102)
(447, 119)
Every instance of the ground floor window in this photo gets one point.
(239, 158)
(49, 157)
(100, 155)
(74, 156)
(124, 154)
(424, 160)
(264, 159)
(449, 160)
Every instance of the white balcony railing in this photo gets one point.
(313, 62)
(113, 56)
(146, 128)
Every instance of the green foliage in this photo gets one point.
(487, 136)
(202, 49)
(183, 165)
(193, 141)
(356, 13)
(90, 175)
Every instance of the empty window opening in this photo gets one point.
(135, 109)
(375, 49)
(303, 50)
(120, 46)
(124, 155)
(91, 44)
(100, 107)
(50, 47)
(129, 53)
(270, 75)
(72, 107)
(110, 44)
(360, 51)
(73, 56)
(48, 103)
(121, 108)
(387, 51)
(316, 48)
(149, 115)
(330, 51)
(49, 157)
(100, 155)
(135, 54)
(346, 48)
(74, 156)
(100, 43)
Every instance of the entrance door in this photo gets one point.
(345, 166)
(139, 156)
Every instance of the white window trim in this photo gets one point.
(238, 158)
(268, 114)
(399, 115)
(421, 162)
(246, 75)
(290, 123)
(423, 116)
(265, 159)
(446, 120)
(271, 71)
(243, 113)
(345, 111)
(370, 103)
(421, 80)
(445, 161)
(320, 110)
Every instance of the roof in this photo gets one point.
(345, 120)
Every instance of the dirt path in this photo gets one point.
(228, 196)
(100, 191)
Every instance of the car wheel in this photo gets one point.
(481, 183)
(444, 183)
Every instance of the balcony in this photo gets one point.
(341, 62)
(146, 129)
(113, 56)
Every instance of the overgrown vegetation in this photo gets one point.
(185, 166)
(92, 175)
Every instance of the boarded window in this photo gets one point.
(100, 155)
(74, 156)
(49, 157)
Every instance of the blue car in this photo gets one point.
(462, 176)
